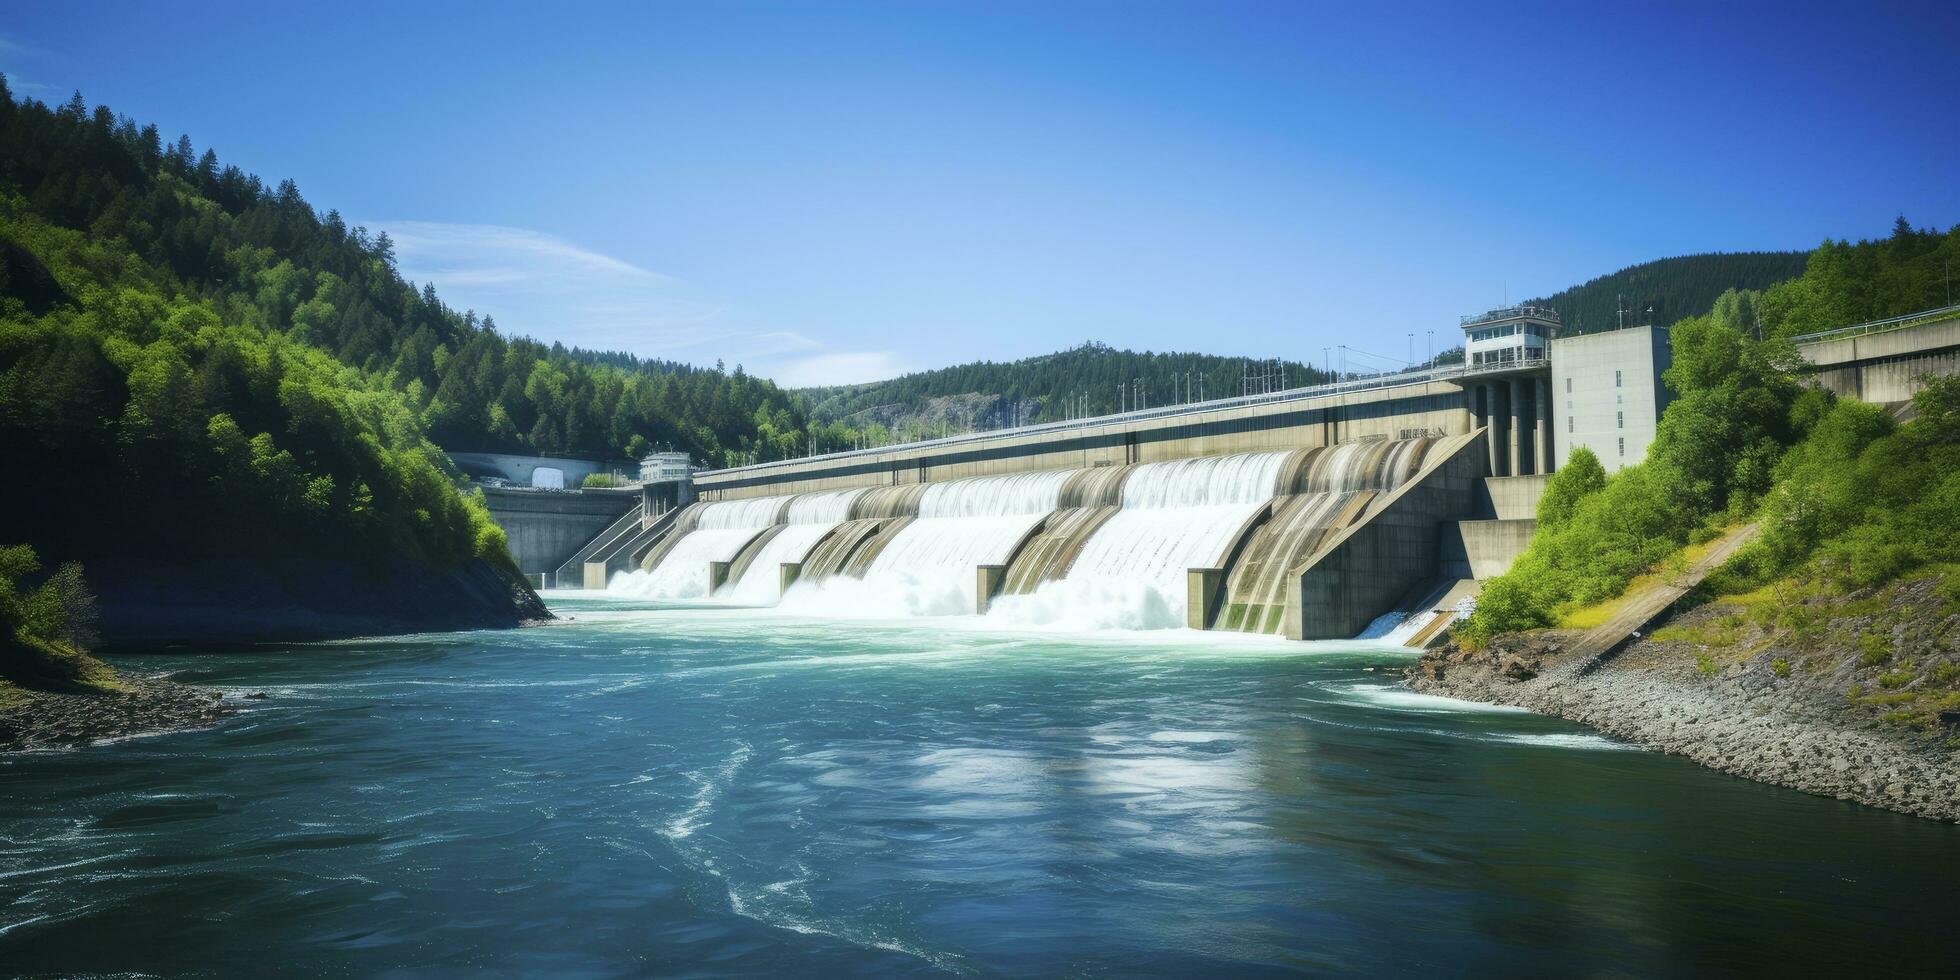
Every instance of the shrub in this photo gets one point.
(1874, 649)
(1780, 667)
(45, 630)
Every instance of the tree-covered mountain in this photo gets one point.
(261, 255)
(1666, 290)
(1092, 379)
(988, 394)
(149, 405)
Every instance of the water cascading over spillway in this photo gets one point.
(810, 516)
(715, 531)
(927, 568)
(1176, 516)
(1322, 492)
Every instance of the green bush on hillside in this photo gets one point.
(45, 631)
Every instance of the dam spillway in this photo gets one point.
(1099, 547)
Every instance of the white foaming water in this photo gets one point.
(810, 516)
(928, 568)
(720, 532)
(1131, 574)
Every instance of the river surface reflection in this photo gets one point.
(659, 790)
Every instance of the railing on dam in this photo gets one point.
(1373, 382)
(1875, 325)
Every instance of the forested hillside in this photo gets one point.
(1666, 290)
(261, 256)
(1093, 379)
(148, 405)
(1845, 495)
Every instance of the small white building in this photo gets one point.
(666, 467)
(1515, 335)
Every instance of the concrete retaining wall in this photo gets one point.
(544, 529)
(1393, 549)
(1885, 366)
(1511, 497)
(1484, 549)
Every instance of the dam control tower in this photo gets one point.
(1507, 385)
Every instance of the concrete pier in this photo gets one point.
(1204, 590)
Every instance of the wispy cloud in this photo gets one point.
(551, 288)
(541, 285)
(13, 52)
(839, 368)
(548, 253)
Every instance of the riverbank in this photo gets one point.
(34, 719)
(250, 601)
(1851, 696)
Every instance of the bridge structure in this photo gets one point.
(1886, 360)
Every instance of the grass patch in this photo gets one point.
(1780, 667)
(1595, 615)
(1896, 697)
(1874, 649)
(1897, 679)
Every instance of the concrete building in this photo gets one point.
(1607, 393)
(664, 467)
(1506, 386)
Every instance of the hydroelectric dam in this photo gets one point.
(1313, 513)
(1308, 513)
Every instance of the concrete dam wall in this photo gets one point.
(1231, 540)
(1419, 408)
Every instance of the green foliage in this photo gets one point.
(1039, 389)
(1780, 667)
(1873, 649)
(1844, 284)
(1861, 499)
(1731, 416)
(172, 388)
(1667, 290)
(185, 228)
(45, 629)
(1705, 665)
(1579, 478)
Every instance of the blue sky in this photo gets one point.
(839, 192)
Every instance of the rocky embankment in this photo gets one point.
(239, 601)
(1855, 697)
(144, 706)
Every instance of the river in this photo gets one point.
(649, 789)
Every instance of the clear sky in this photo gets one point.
(842, 191)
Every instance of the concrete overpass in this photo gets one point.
(1885, 360)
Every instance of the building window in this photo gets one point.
(1569, 423)
(1616, 379)
(1568, 386)
(1621, 419)
(1623, 447)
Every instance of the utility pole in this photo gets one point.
(1412, 349)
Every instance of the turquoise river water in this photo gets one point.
(671, 791)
